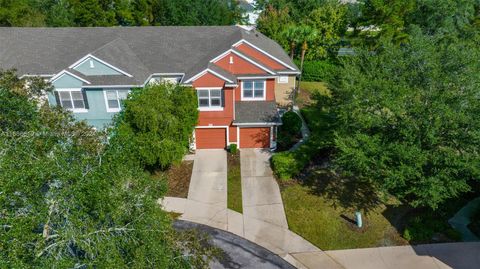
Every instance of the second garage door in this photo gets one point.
(255, 137)
(211, 138)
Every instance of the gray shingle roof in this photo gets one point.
(139, 51)
(256, 112)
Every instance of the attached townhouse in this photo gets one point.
(241, 76)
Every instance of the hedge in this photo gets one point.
(318, 70)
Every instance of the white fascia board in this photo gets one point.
(256, 124)
(112, 86)
(204, 72)
(86, 57)
(288, 72)
(253, 62)
(262, 51)
(243, 56)
(63, 72)
(256, 77)
(216, 59)
(41, 75)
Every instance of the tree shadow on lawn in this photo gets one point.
(350, 195)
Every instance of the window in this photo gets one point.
(114, 99)
(209, 98)
(253, 90)
(283, 79)
(72, 99)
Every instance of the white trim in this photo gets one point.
(289, 72)
(210, 71)
(253, 98)
(114, 110)
(216, 59)
(241, 55)
(85, 58)
(253, 62)
(112, 86)
(215, 127)
(238, 136)
(41, 76)
(231, 85)
(260, 77)
(70, 90)
(262, 51)
(63, 72)
(210, 109)
(208, 88)
(256, 124)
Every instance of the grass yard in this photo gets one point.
(331, 227)
(307, 89)
(178, 179)
(234, 183)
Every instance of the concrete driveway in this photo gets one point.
(207, 194)
(260, 192)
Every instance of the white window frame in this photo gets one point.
(118, 99)
(282, 79)
(70, 90)
(253, 98)
(210, 107)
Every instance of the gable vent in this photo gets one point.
(91, 64)
(231, 59)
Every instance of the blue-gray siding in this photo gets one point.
(97, 114)
(98, 69)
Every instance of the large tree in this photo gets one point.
(68, 199)
(407, 119)
(158, 122)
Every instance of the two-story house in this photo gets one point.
(240, 76)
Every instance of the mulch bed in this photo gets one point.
(178, 177)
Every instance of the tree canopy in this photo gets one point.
(407, 119)
(158, 122)
(68, 13)
(69, 199)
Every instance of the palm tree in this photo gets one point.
(305, 34)
(291, 35)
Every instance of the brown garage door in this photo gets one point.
(255, 137)
(211, 138)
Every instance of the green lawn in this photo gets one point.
(234, 183)
(307, 89)
(316, 219)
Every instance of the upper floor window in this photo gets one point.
(253, 90)
(114, 99)
(209, 99)
(72, 99)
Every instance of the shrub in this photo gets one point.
(290, 163)
(292, 124)
(318, 70)
(233, 148)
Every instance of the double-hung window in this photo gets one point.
(114, 99)
(253, 90)
(72, 99)
(209, 99)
